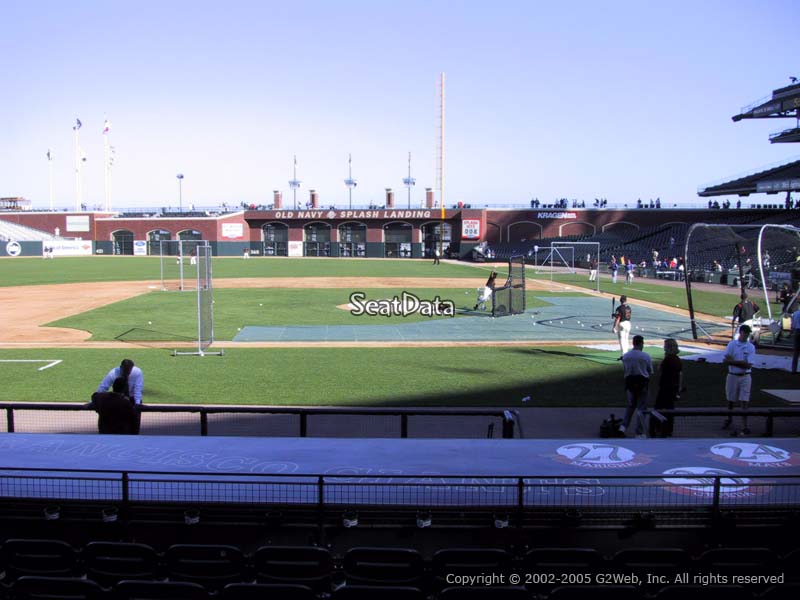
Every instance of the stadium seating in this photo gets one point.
(109, 563)
(305, 565)
(229, 572)
(56, 588)
(44, 558)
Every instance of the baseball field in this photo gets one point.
(65, 322)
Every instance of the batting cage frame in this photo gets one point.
(205, 305)
(510, 298)
(731, 242)
(555, 253)
(176, 274)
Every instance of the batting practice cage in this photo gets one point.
(202, 281)
(178, 258)
(570, 263)
(510, 298)
(758, 260)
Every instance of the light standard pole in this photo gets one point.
(294, 183)
(350, 182)
(409, 181)
(180, 191)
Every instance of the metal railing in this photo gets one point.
(521, 497)
(508, 420)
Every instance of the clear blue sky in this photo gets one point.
(549, 99)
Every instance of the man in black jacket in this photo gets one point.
(116, 413)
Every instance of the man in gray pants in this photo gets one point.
(638, 370)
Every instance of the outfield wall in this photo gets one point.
(372, 233)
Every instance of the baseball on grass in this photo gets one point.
(149, 322)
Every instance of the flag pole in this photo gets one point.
(78, 171)
(107, 164)
(50, 176)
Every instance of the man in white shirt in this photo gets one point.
(739, 356)
(135, 383)
(638, 370)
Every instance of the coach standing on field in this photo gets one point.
(134, 380)
(739, 357)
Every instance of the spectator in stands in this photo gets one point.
(638, 369)
(739, 357)
(116, 412)
(134, 382)
(795, 338)
(622, 324)
(670, 385)
(743, 314)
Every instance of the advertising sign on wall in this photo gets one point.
(70, 247)
(139, 247)
(295, 249)
(77, 222)
(233, 231)
(470, 229)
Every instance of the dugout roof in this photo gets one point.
(782, 178)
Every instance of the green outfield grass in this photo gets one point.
(36, 271)
(500, 377)
(719, 304)
(451, 376)
(161, 315)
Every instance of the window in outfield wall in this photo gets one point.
(353, 240)
(397, 240)
(275, 238)
(190, 234)
(317, 239)
(153, 239)
(123, 242)
(432, 233)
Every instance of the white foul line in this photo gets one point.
(52, 363)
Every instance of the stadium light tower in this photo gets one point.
(180, 191)
(350, 182)
(294, 183)
(409, 181)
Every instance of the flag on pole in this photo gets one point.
(106, 126)
(77, 125)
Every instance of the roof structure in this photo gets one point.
(783, 102)
(781, 178)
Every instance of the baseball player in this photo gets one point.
(622, 325)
